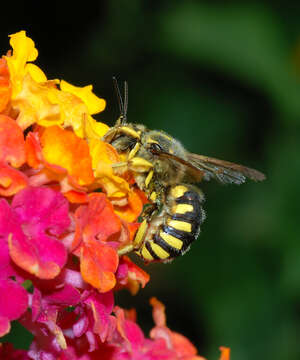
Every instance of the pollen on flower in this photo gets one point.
(64, 214)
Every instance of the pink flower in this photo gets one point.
(13, 303)
(8, 352)
(55, 328)
(31, 227)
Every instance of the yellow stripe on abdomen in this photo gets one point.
(180, 225)
(182, 208)
(178, 191)
(159, 251)
(145, 254)
(171, 240)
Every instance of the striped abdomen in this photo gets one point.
(171, 232)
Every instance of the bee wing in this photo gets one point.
(201, 167)
(224, 171)
(197, 174)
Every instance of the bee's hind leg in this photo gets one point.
(138, 240)
(125, 249)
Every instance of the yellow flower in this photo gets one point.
(23, 51)
(93, 103)
(94, 129)
(38, 100)
(103, 156)
(34, 104)
(78, 103)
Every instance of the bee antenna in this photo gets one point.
(125, 99)
(123, 105)
(118, 93)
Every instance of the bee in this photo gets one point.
(167, 173)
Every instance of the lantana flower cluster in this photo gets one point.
(63, 216)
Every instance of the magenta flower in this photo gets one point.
(13, 303)
(31, 227)
(54, 327)
(44, 320)
(8, 352)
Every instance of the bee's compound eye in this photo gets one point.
(155, 148)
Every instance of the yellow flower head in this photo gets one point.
(41, 101)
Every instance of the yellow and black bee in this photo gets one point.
(165, 171)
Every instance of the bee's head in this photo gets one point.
(124, 136)
(158, 142)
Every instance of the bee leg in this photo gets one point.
(111, 133)
(148, 211)
(138, 240)
(140, 234)
(125, 249)
(119, 164)
(120, 167)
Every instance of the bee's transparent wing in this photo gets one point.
(200, 167)
(224, 171)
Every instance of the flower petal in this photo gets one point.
(96, 220)
(76, 197)
(133, 209)
(34, 155)
(11, 180)
(158, 312)
(40, 214)
(136, 275)
(13, 303)
(5, 85)
(4, 326)
(12, 144)
(67, 296)
(94, 129)
(23, 51)
(93, 103)
(101, 305)
(36, 73)
(183, 347)
(42, 210)
(13, 299)
(103, 156)
(76, 158)
(98, 264)
(36, 103)
(225, 353)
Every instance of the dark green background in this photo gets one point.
(224, 78)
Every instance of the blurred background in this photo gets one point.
(224, 78)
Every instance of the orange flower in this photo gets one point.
(133, 209)
(182, 346)
(98, 264)
(96, 223)
(34, 155)
(5, 86)
(225, 353)
(11, 180)
(63, 148)
(12, 145)
(136, 276)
